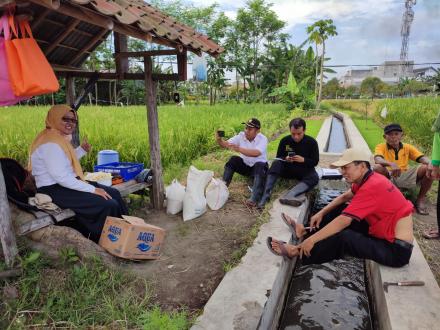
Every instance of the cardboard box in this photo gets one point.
(131, 238)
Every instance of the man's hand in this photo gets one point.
(86, 145)
(101, 192)
(306, 247)
(234, 147)
(316, 219)
(433, 172)
(297, 159)
(395, 170)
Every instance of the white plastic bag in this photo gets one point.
(216, 194)
(175, 193)
(194, 202)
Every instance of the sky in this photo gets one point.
(368, 30)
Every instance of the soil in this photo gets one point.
(196, 252)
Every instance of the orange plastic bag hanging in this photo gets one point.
(29, 71)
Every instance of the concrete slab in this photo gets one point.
(238, 301)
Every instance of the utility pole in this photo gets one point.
(408, 17)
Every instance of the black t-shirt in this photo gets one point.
(307, 148)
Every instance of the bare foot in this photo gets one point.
(292, 250)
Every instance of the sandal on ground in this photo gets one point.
(422, 210)
(431, 234)
(250, 204)
(290, 223)
(283, 249)
(295, 201)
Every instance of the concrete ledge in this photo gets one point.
(324, 134)
(259, 282)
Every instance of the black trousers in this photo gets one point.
(294, 171)
(236, 164)
(355, 241)
(91, 210)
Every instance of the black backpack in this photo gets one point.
(19, 182)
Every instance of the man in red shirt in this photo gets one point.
(374, 200)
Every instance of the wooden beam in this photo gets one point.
(70, 99)
(182, 60)
(62, 36)
(153, 134)
(121, 45)
(7, 236)
(114, 76)
(89, 45)
(161, 52)
(36, 22)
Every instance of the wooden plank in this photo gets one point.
(35, 224)
(121, 45)
(182, 60)
(160, 52)
(7, 236)
(153, 134)
(130, 187)
(70, 99)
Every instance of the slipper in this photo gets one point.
(295, 201)
(283, 249)
(431, 234)
(290, 223)
(422, 210)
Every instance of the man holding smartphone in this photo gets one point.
(297, 156)
(252, 159)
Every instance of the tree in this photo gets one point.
(319, 32)
(372, 86)
(332, 89)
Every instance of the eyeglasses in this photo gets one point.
(69, 120)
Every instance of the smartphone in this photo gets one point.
(291, 153)
(221, 133)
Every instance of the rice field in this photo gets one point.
(185, 133)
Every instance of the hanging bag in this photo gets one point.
(29, 71)
(7, 96)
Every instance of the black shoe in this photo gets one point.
(295, 201)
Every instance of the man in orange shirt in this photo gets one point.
(392, 160)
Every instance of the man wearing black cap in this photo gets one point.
(297, 156)
(392, 160)
(252, 161)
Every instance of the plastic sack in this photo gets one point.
(194, 202)
(7, 96)
(216, 194)
(175, 193)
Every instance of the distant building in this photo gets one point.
(390, 72)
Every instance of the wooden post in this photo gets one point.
(153, 134)
(7, 236)
(70, 99)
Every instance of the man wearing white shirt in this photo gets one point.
(252, 160)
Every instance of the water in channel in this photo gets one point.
(327, 296)
(336, 141)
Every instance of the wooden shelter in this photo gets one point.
(68, 31)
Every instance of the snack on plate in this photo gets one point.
(100, 177)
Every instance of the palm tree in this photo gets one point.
(318, 33)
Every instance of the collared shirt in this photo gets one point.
(259, 143)
(401, 156)
(50, 165)
(380, 203)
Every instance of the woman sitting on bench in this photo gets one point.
(57, 171)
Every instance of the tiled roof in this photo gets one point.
(149, 19)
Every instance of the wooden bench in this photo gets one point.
(45, 218)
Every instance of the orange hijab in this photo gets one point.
(53, 134)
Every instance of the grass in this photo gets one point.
(84, 294)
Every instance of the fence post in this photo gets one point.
(7, 236)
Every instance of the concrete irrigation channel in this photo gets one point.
(268, 292)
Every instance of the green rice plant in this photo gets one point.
(185, 133)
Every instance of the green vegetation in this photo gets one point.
(416, 115)
(185, 133)
(80, 295)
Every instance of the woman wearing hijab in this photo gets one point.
(57, 171)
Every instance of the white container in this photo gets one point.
(108, 156)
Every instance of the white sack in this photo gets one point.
(175, 193)
(216, 194)
(194, 202)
